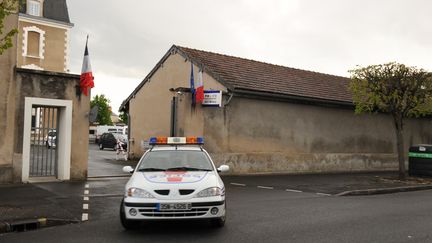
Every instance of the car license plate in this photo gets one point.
(173, 206)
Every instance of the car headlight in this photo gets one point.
(137, 192)
(211, 192)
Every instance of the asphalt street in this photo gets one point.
(283, 208)
(257, 215)
(103, 162)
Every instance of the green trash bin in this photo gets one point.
(420, 160)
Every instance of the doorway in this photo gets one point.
(46, 139)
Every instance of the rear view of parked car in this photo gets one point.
(50, 139)
(109, 140)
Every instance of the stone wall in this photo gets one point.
(7, 104)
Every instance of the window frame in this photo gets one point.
(30, 4)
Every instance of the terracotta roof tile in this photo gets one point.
(241, 73)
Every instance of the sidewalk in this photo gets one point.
(28, 205)
(338, 184)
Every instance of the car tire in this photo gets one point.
(218, 222)
(101, 147)
(126, 223)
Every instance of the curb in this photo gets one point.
(22, 225)
(384, 190)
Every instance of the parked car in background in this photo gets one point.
(109, 140)
(111, 129)
(50, 139)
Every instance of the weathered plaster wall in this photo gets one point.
(150, 109)
(42, 84)
(54, 48)
(7, 104)
(267, 136)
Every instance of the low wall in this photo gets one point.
(257, 163)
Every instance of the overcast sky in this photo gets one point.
(127, 38)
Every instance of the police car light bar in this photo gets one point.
(175, 140)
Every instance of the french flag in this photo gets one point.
(200, 88)
(86, 78)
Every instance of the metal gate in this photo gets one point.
(43, 142)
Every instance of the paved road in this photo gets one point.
(258, 215)
(104, 163)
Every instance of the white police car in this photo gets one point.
(175, 179)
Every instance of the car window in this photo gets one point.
(175, 160)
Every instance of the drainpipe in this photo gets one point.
(173, 116)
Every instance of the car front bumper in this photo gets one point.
(199, 210)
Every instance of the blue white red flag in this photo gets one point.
(199, 94)
(192, 85)
(86, 78)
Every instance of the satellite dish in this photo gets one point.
(93, 113)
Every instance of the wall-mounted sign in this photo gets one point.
(212, 98)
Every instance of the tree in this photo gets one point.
(104, 110)
(123, 117)
(396, 89)
(7, 7)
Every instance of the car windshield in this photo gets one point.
(178, 160)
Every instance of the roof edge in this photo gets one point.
(44, 20)
(287, 97)
(149, 75)
(47, 73)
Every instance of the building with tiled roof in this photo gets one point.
(271, 118)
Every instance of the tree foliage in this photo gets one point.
(104, 110)
(7, 7)
(123, 117)
(393, 88)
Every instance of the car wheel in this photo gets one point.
(126, 223)
(218, 222)
(101, 146)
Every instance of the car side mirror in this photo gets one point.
(128, 169)
(223, 168)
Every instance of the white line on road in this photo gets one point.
(84, 217)
(292, 190)
(85, 206)
(86, 192)
(237, 184)
(323, 194)
(86, 198)
(87, 186)
(266, 187)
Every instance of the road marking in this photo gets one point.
(292, 190)
(266, 187)
(86, 192)
(87, 186)
(323, 194)
(85, 206)
(86, 198)
(237, 184)
(84, 217)
(107, 195)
